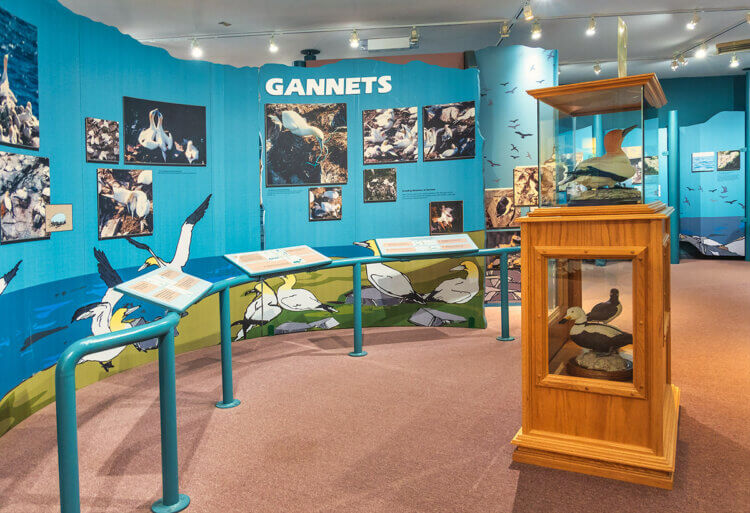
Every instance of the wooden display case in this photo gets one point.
(617, 428)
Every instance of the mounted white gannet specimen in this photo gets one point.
(5, 279)
(261, 310)
(299, 300)
(182, 252)
(605, 171)
(388, 280)
(101, 313)
(458, 290)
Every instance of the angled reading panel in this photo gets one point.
(168, 288)
(278, 261)
(458, 243)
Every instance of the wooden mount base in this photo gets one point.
(606, 459)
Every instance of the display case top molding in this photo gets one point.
(603, 96)
(655, 210)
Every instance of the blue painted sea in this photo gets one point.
(18, 39)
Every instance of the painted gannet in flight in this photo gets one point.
(299, 300)
(458, 290)
(605, 171)
(388, 280)
(261, 310)
(182, 252)
(5, 279)
(102, 313)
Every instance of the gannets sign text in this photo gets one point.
(329, 86)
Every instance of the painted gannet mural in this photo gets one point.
(7, 277)
(388, 280)
(457, 290)
(299, 300)
(262, 309)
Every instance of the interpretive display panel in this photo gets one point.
(275, 261)
(166, 287)
(434, 245)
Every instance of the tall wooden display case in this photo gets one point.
(597, 391)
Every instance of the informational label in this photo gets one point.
(276, 261)
(170, 288)
(430, 245)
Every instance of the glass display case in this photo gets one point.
(592, 141)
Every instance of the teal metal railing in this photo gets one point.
(172, 501)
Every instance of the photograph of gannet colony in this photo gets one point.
(102, 141)
(325, 203)
(446, 217)
(19, 85)
(126, 203)
(728, 160)
(24, 195)
(526, 186)
(449, 131)
(306, 144)
(500, 208)
(380, 185)
(390, 135)
(164, 134)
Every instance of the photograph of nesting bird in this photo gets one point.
(728, 160)
(325, 203)
(126, 203)
(164, 134)
(503, 239)
(449, 131)
(19, 85)
(446, 217)
(306, 144)
(24, 196)
(380, 185)
(492, 285)
(102, 141)
(526, 186)
(499, 208)
(390, 135)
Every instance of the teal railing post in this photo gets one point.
(172, 500)
(228, 400)
(357, 298)
(67, 438)
(504, 306)
(673, 185)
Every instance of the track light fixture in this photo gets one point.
(682, 60)
(734, 61)
(597, 68)
(528, 12)
(504, 30)
(354, 39)
(693, 21)
(195, 49)
(674, 64)
(272, 46)
(536, 30)
(591, 30)
(701, 52)
(414, 36)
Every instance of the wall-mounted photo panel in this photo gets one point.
(728, 160)
(449, 131)
(703, 161)
(164, 134)
(19, 86)
(59, 218)
(126, 203)
(499, 208)
(24, 195)
(325, 203)
(380, 185)
(390, 135)
(652, 165)
(306, 144)
(102, 141)
(446, 217)
(526, 186)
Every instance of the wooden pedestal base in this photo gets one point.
(606, 459)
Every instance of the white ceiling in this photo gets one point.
(655, 36)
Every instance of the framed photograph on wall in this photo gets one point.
(306, 144)
(125, 203)
(449, 131)
(164, 134)
(390, 136)
(502, 239)
(102, 141)
(728, 160)
(703, 162)
(526, 186)
(19, 89)
(59, 218)
(380, 185)
(446, 217)
(499, 208)
(325, 203)
(24, 196)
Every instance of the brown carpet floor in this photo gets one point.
(422, 424)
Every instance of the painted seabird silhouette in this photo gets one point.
(261, 310)
(5, 280)
(299, 300)
(599, 337)
(388, 280)
(458, 290)
(605, 171)
(182, 252)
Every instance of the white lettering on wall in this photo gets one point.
(329, 86)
